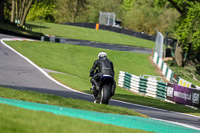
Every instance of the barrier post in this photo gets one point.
(97, 26)
(152, 52)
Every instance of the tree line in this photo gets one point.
(180, 18)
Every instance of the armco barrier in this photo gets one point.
(148, 87)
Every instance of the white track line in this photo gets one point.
(181, 124)
(48, 76)
(155, 108)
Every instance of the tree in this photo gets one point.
(127, 4)
(42, 11)
(20, 9)
(80, 7)
(188, 30)
(13, 10)
(148, 16)
(2, 17)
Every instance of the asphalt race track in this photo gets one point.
(18, 73)
(117, 47)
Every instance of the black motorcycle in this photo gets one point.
(105, 87)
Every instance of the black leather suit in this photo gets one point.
(102, 66)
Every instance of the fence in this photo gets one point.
(148, 87)
(169, 74)
(107, 18)
(166, 71)
(160, 90)
(159, 44)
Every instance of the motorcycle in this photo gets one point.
(105, 88)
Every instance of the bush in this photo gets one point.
(41, 11)
(148, 19)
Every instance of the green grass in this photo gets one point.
(187, 73)
(18, 120)
(81, 33)
(14, 28)
(76, 61)
(65, 102)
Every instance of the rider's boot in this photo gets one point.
(95, 84)
(113, 89)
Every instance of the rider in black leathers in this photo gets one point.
(103, 66)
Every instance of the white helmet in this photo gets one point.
(102, 54)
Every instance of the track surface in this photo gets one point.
(117, 47)
(18, 73)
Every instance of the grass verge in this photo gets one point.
(18, 120)
(188, 73)
(14, 30)
(76, 62)
(65, 102)
(81, 33)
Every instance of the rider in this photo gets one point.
(103, 66)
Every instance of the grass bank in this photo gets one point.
(13, 29)
(76, 62)
(18, 120)
(62, 101)
(81, 33)
(188, 73)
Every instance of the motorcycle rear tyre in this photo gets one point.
(105, 94)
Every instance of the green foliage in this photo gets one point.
(161, 3)
(149, 19)
(188, 30)
(7, 9)
(94, 6)
(127, 4)
(42, 11)
(140, 15)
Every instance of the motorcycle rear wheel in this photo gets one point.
(105, 94)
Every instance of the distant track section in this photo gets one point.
(117, 47)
